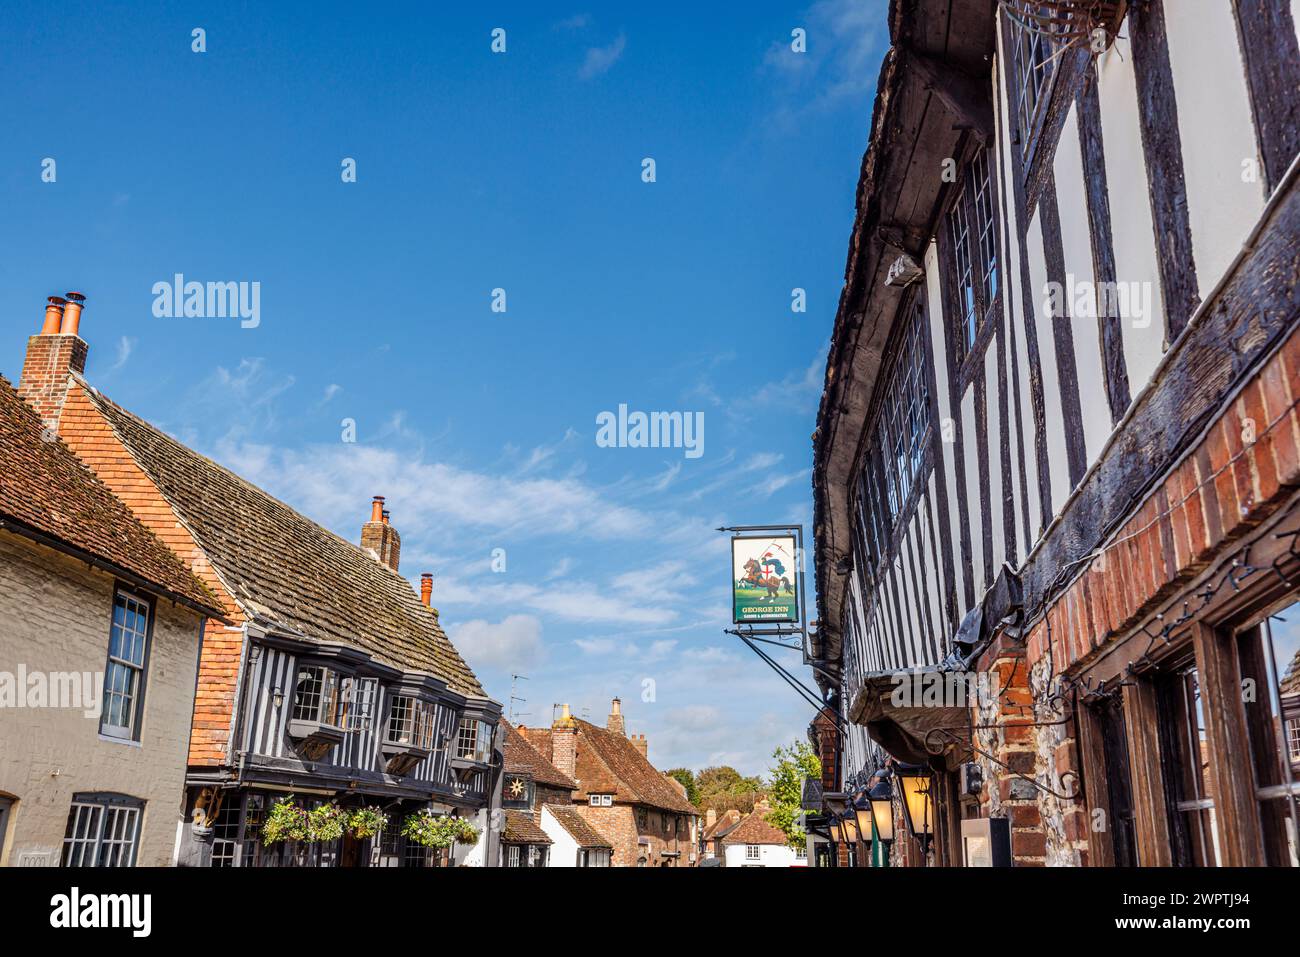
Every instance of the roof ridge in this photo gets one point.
(300, 573)
(130, 546)
(97, 395)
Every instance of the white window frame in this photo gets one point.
(600, 800)
(127, 666)
(103, 830)
(753, 852)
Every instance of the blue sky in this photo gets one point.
(475, 171)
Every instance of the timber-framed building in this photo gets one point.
(1057, 458)
(325, 677)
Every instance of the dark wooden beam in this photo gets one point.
(1067, 372)
(1241, 842)
(1103, 246)
(1142, 723)
(1162, 147)
(1266, 31)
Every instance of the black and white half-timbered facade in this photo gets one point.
(1056, 456)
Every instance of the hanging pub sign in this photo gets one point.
(765, 580)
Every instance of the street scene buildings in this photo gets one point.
(1040, 608)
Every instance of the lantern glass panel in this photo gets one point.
(917, 804)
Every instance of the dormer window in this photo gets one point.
(600, 800)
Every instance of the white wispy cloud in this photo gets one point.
(125, 346)
(845, 41)
(600, 59)
(513, 642)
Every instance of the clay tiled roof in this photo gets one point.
(609, 763)
(522, 758)
(283, 566)
(579, 828)
(723, 826)
(1290, 683)
(755, 829)
(522, 829)
(45, 489)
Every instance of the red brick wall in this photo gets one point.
(1224, 486)
(1233, 478)
(619, 825)
(44, 380)
(564, 749)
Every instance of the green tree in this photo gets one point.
(793, 764)
(724, 788)
(687, 779)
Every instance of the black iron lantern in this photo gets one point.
(849, 827)
(862, 811)
(918, 802)
(881, 800)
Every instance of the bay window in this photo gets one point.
(474, 740)
(410, 723)
(322, 695)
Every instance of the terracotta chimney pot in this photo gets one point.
(72, 314)
(377, 509)
(426, 589)
(53, 316)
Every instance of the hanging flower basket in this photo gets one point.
(438, 830)
(326, 823)
(366, 822)
(286, 821)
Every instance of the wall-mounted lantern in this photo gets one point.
(881, 799)
(918, 803)
(849, 827)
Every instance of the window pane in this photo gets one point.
(307, 694)
(1195, 826)
(1270, 658)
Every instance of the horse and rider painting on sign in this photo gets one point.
(764, 579)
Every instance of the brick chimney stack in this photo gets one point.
(710, 817)
(639, 742)
(615, 721)
(52, 354)
(564, 743)
(379, 537)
